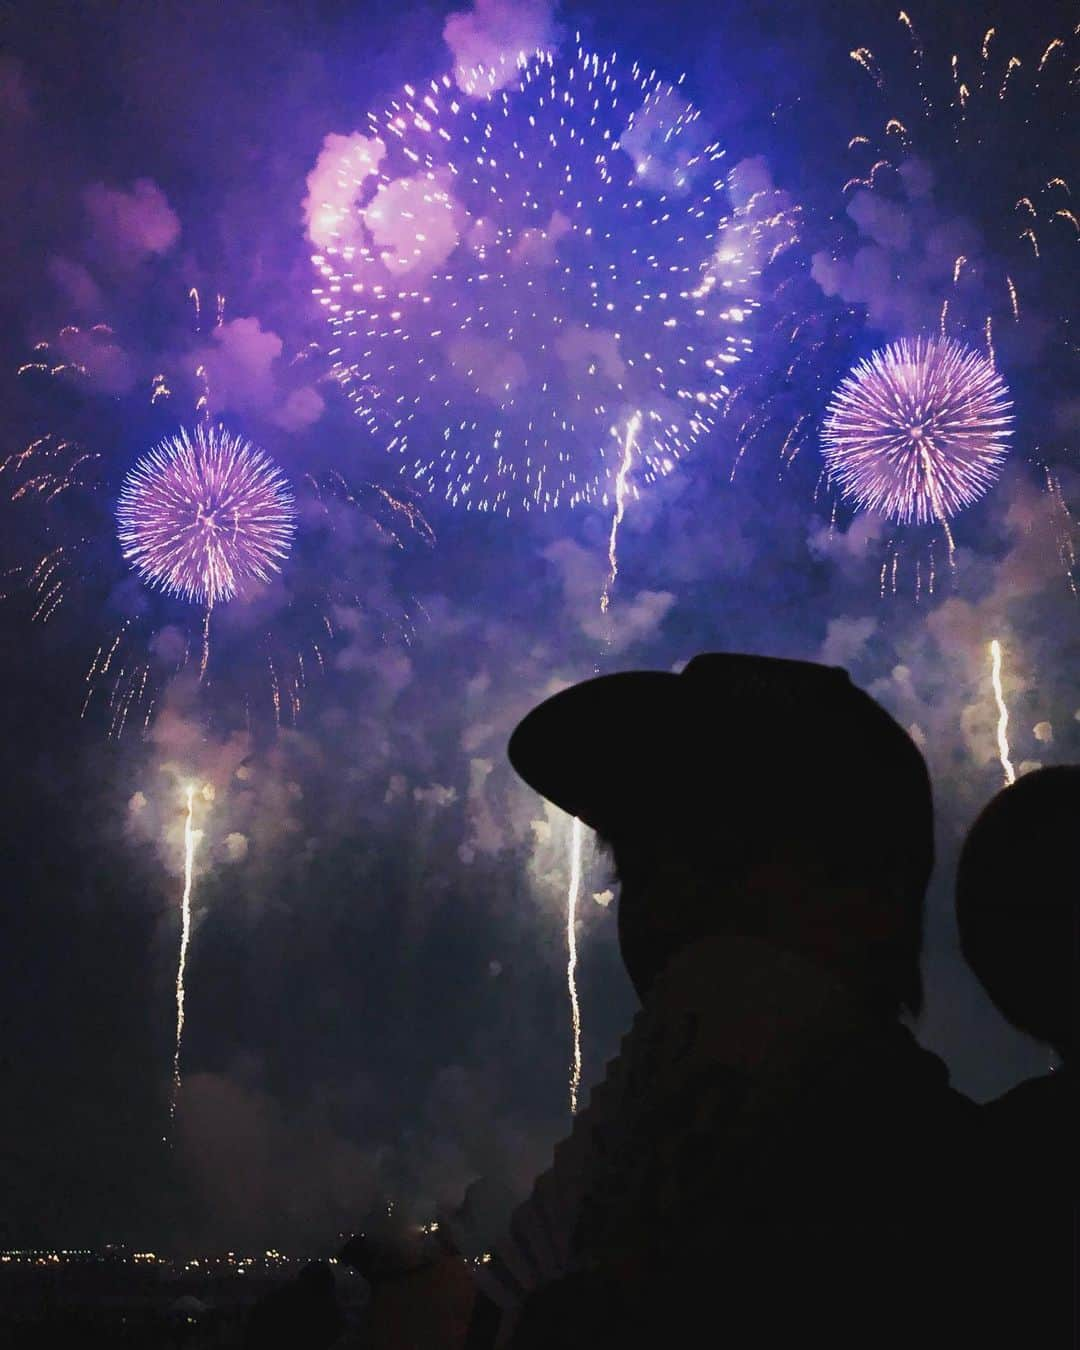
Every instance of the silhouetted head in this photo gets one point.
(1017, 897)
(747, 795)
(316, 1280)
(386, 1245)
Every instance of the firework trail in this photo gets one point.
(577, 834)
(956, 114)
(620, 509)
(516, 271)
(1064, 529)
(1003, 714)
(918, 431)
(577, 848)
(191, 836)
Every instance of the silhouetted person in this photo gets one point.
(303, 1312)
(770, 1151)
(1018, 905)
(421, 1292)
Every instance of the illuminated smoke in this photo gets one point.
(918, 431)
(202, 513)
(1003, 714)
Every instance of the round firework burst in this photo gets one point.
(918, 431)
(518, 275)
(204, 512)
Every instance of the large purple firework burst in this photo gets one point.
(204, 512)
(918, 431)
(524, 272)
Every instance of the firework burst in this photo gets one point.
(64, 566)
(918, 431)
(204, 512)
(964, 224)
(989, 122)
(522, 271)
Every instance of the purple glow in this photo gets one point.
(919, 431)
(203, 512)
(513, 276)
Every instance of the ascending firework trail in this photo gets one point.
(1007, 769)
(191, 837)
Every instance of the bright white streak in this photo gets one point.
(577, 838)
(620, 509)
(1003, 714)
(577, 845)
(185, 937)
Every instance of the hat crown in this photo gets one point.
(741, 676)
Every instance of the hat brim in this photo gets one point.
(730, 730)
(586, 746)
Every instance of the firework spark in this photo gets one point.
(981, 100)
(1064, 529)
(577, 847)
(1003, 714)
(191, 836)
(517, 271)
(204, 512)
(918, 431)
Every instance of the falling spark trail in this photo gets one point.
(620, 510)
(185, 937)
(1003, 714)
(205, 643)
(577, 846)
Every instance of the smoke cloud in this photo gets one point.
(492, 35)
(131, 225)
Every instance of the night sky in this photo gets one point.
(376, 998)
